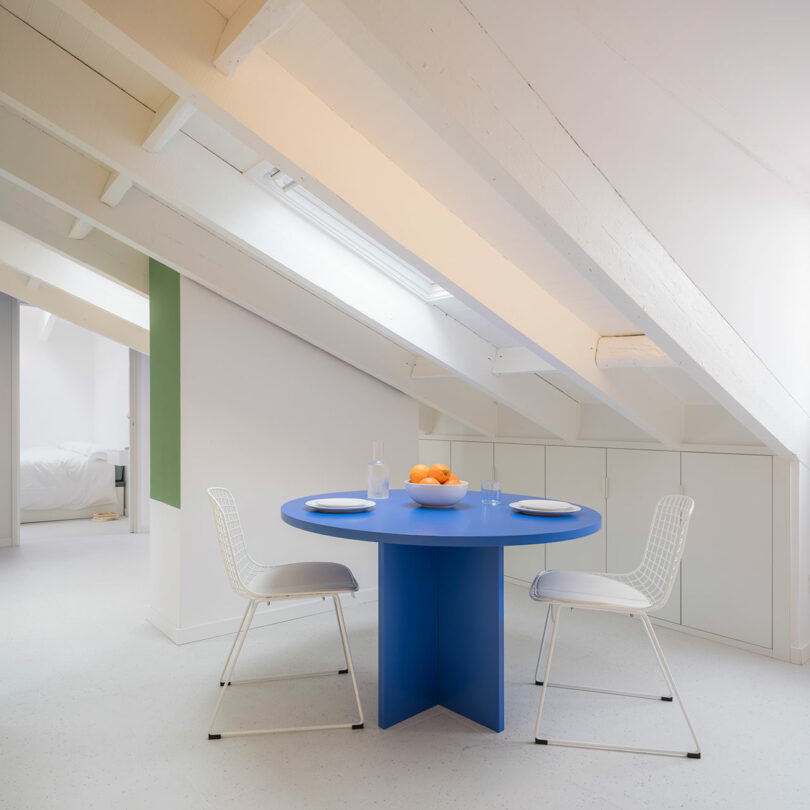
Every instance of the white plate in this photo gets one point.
(341, 505)
(546, 505)
(545, 508)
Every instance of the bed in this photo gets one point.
(72, 480)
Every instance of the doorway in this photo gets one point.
(80, 429)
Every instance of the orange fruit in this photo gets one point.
(452, 479)
(419, 472)
(441, 472)
(429, 480)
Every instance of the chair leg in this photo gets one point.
(235, 639)
(227, 677)
(578, 688)
(344, 637)
(342, 645)
(671, 681)
(597, 746)
(556, 620)
(542, 645)
(234, 656)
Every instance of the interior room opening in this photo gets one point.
(75, 431)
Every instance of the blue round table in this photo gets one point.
(440, 594)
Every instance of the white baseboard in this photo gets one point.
(6, 541)
(163, 624)
(800, 655)
(278, 612)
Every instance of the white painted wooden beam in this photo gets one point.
(47, 225)
(66, 178)
(80, 229)
(631, 351)
(117, 186)
(424, 369)
(208, 190)
(40, 262)
(170, 118)
(251, 24)
(520, 360)
(367, 187)
(13, 282)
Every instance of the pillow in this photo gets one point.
(93, 452)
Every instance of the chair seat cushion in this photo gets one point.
(303, 577)
(586, 587)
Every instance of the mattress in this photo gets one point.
(72, 476)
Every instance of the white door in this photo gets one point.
(577, 474)
(726, 569)
(434, 451)
(637, 479)
(472, 461)
(521, 469)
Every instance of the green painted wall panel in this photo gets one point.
(164, 382)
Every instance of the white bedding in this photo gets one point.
(61, 478)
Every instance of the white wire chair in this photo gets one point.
(268, 583)
(644, 589)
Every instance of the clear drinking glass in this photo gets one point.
(377, 473)
(491, 492)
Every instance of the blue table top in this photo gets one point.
(397, 519)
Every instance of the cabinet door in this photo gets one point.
(521, 469)
(577, 474)
(434, 451)
(637, 479)
(726, 569)
(472, 462)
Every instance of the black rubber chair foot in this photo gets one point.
(358, 725)
(222, 683)
(540, 742)
(539, 683)
(667, 699)
(343, 671)
(214, 736)
(693, 755)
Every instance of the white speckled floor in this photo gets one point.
(99, 710)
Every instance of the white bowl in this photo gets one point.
(437, 494)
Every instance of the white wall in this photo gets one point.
(110, 393)
(74, 384)
(272, 418)
(7, 427)
(56, 381)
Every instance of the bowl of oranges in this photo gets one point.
(435, 486)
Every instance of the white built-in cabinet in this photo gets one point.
(725, 584)
(727, 567)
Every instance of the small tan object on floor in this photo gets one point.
(106, 516)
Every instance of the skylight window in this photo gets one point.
(287, 189)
